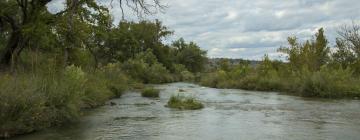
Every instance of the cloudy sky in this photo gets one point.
(251, 28)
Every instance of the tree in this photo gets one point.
(190, 55)
(320, 49)
(348, 53)
(130, 38)
(344, 54)
(294, 52)
(21, 19)
(310, 55)
(350, 35)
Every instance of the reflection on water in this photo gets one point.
(228, 114)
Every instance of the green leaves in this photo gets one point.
(190, 55)
(312, 54)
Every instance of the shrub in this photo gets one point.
(97, 91)
(115, 79)
(330, 83)
(23, 108)
(32, 102)
(150, 92)
(64, 94)
(208, 79)
(187, 76)
(184, 103)
(156, 74)
(141, 71)
(136, 69)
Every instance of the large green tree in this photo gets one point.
(20, 20)
(190, 55)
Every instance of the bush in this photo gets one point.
(141, 71)
(150, 92)
(65, 94)
(187, 76)
(115, 79)
(23, 108)
(330, 83)
(97, 91)
(136, 69)
(32, 102)
(29, 102)
(157, 74)
(184, 103)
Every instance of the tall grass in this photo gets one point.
(150, 92)
(327, 82)
(29, 102)
(184, 103)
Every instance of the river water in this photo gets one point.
(228, 115)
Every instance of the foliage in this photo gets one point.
(56, 64)
(184, 103)
(147, 69)
(311, 54)
(310, 71)
(33, 101)
(150, 92)
(189, 55)
(115, 79)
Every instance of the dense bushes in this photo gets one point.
(31, 102)
(146, 68)
(51, 95)
(330, 83)
(105, 83)
(327, 82)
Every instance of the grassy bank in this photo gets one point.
(324, 83)
(30, 102)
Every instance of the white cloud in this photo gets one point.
(231, 15)
(260, 26)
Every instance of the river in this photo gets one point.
(229, 114)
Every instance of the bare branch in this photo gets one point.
(140, 7)
(351, 34)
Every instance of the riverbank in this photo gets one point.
(227, 114)
(325, 83)
(31, 102)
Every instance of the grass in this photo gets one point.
(150, 92)
(181, 90)
(325, 83)
(31, 102)
(184, 103)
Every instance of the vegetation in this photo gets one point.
(184, 103)
(54, 65)
(31, 102)
(150, 92)
(312, 70)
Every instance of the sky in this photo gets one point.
(248, 29)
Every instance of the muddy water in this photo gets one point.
(228, 114)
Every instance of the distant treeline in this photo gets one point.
(312, 69)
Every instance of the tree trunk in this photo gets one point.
(12, 45)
